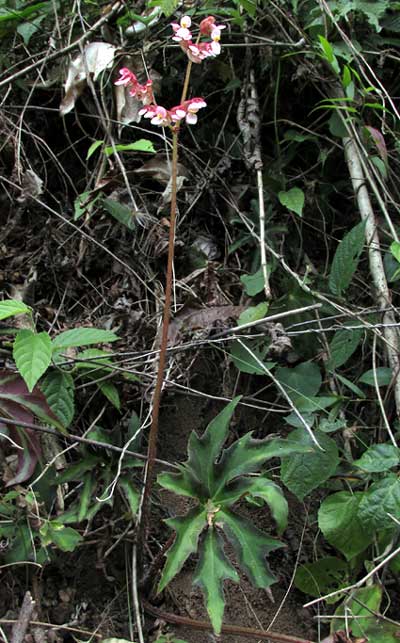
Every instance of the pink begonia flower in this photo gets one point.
(163, 117)
(159, 115)
(144, 93)
(127, 77)
(216, 37)
(193, 105)
(182, 30)
(207, 25)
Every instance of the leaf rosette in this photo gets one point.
(217, 478)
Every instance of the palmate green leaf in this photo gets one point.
(203, 451)
(260, 487)
(183, 484)
(11, 307)
(83, 337)
(211, 571)
(303, 472)
(188, 529)
(247, 455)
(58, 388)
(32, 355)
(339, 521)
(346, 258)
(251, 547)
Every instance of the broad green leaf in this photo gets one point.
(94, 146)
(58, 388)
(322, 577)
(32, 355)
(339, 521)
(378, 458)
(66, 538)
(316, 403)
(10, 307)
(346, 258)
(203, 451)
(301, 382)
(142, 145)
(122, 213)
(362, 601)
(342, 346)
(254, 313)
(381, 499)
(253, 284)
(188, 529)
(293, 200)
(167, 6)
(131, 494)
(251, 547)
(247, 363)
(247, 455)
(110, 391)
(211, 571)
(303, 472)
(83, 337)
(383, 374)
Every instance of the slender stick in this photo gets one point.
(264, 635)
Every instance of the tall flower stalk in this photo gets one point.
(186, 111)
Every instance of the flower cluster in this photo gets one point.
(144, 93)
(159, 115)
(198, 51)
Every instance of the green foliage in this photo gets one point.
(343, 345)
(346, 259)
(32, 355)
(142, 145)
(303, 472)
(341, 523)
(82, 337)
(322, 577)
(11, 307)
(253, 284)
(293, 200)
(58, 388)
(217, 478)
(379, 458)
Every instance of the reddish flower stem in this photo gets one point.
(153, 434)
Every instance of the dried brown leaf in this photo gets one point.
(97, 57)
